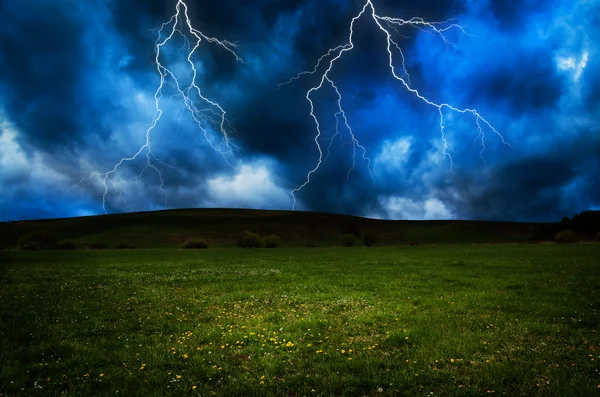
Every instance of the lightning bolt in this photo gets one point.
(210, 117)
(387, 25)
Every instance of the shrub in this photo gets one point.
(369, 236)
(348, 240)
(272, 241)
(37, 241)
(195, 243)
(97, 246)
(66, 245)
(566, 236)
(250, 240)
(125, 247)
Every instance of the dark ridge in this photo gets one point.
(222, 227)
(585, 225)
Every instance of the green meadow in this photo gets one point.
(458, 320)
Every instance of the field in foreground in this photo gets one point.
(454, 320)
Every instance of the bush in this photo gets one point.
(272, 241)
(97, 246)
(195, 243)
(37, 241)
(369, 236)
(66, 245)
(348, 240)
(566, 236)
(125, 247)
(250, 240)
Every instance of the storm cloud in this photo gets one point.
(77, 86)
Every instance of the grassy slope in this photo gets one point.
(221, 227)
(518, 320)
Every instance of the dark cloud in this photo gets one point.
(40, 65)
(528, 82)
(536, 188)
(77, 83)
(591, 87)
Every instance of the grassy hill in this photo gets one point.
(221, 228)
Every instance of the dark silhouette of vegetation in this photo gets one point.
(348, 240)
(97, 246)
(250, 240)
(585, 226)
(66, 245)
(369, 237)
(566, 236)
(195, 243)
(272, 241)
(40, 240)
(565, 221)
(125, 247)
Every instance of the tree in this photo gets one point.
(250, 240)
(272, 241)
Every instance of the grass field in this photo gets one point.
(514, 320)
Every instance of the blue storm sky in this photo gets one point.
(78, 79)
